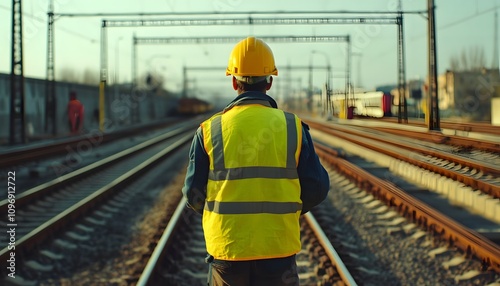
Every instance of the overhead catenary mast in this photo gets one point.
(17, 128)
(432, 117)
(494, 65)
(50, 84)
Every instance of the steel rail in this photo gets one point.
(484, 167)
(440, 138)
(165, 240)
(10, 158)
(31, 195)
(37, 236)
(419, 160)
(147, 276)
(330, 250)
(455, 233)
(462, 126)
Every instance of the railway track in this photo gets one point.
(45, 210)
(183, 263)
(460, 143)
(21, 155)
(460, 126)
(177, 258)
(51, 160)
(416, 203)
(481, 175)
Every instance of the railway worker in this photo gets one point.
(252, 172)
(75, 113)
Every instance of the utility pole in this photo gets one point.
(184, 82)
(432, 117)
(402, 107)
(103, 76)
(349, 103)
(17, 126)
(50, 84)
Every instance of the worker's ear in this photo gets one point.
(235, 84)
(270, 83)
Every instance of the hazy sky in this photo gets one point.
(462, 26)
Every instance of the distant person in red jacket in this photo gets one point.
(75, 113)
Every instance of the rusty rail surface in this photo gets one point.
(479, 127)
(155, 266)
(455, 233)
(437, 137)
(37, 236)
(45, 150)
(417, 158)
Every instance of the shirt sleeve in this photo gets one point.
(314, 180)
(195, 183)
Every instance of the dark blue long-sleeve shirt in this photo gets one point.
(314, 180)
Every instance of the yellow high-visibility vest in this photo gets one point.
(253, 200)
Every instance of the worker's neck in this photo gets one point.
(243, 91)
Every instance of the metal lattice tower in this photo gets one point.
(50, 84)
(17, 128)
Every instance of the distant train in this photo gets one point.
(373, 104)
(193, 106)
(370, 104)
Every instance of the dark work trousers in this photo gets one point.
(264, 272)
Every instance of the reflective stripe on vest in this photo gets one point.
(252, 207)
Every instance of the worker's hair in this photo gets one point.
(259, 86)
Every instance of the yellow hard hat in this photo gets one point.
(251, 57)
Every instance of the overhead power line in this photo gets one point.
(247, 21)
(342, 12)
